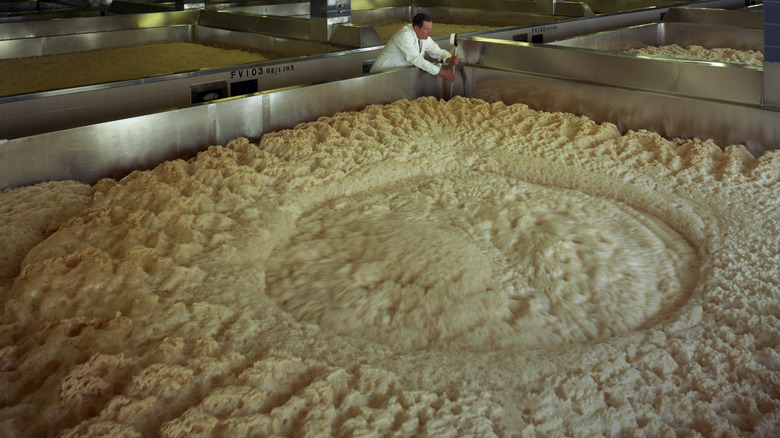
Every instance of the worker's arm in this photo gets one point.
(434, 51)
(409, 45)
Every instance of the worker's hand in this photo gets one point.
(448, 75)
(453, 60)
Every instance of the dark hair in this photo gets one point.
(420, 18)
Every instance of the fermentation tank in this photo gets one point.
(602, 57)
(560, 65)
(297, 60)
(303, 54)
(115, 148)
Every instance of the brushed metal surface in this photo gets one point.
(376, 4)
(244, 26)
(82, 42)
(299, 9)
(103, 150)
(573, 9)
(287, 27)
(674, 99)
(107, 23)
(726, 82)
(613, 6)
(27, 115)
(376, 17)
(716, 17)
(671, 116)
(113, 149)
(356, 36)
(210, 27)
(659, 34)
(487, 17)
(598, 23)
(772, 86)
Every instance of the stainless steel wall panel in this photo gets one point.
(613, 6)
(104, 102)
(70, 26)
(80, 42)
(49, 15)
(670, 116)
(297, 105)
(104, 150)
(572, 9)
(287, 47)
(711, 36)
(486, 17)
(482, 16)
(300, 9)
(377, 4)
(245, 117)
(249, 30)
(369, 17)
(23, 6)
(356, 36)
(772, 85)
(113, 149)
(289, 27)
(738, 84)
(659, 34)
(482, 5)
(115, 100)
(617, 40)
(575, 27)
(715, 17)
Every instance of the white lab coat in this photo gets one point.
(405, 50)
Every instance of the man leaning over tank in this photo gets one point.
(410, 45)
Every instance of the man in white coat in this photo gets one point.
(410, 45)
